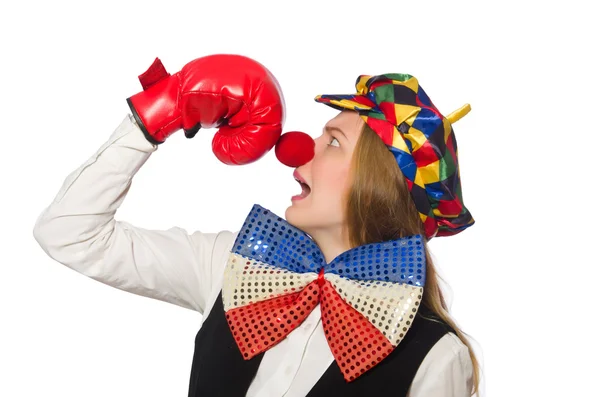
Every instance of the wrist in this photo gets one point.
(156, 109)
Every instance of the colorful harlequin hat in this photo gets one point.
(397, 108)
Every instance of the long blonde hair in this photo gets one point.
(380, 208)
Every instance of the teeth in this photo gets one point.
(300, 182)
(305, 188)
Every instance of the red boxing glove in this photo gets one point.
(232, 92)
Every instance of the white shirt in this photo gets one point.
(78, 229)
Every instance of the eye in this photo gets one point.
(334, 139)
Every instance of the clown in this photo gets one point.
(339, 298)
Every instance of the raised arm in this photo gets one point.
(78, 229)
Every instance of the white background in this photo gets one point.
(523, 278)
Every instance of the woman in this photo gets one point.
(354, 234)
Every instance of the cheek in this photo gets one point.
(330, 179)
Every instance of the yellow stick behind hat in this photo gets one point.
(459, 113)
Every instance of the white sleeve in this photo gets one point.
(446, 371)
(78, 229)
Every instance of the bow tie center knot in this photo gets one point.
(321, 278)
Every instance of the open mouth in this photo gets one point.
(305, 187)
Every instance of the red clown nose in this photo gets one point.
(295, 148)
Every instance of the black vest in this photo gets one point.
(218, 369)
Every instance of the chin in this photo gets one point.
(294, 216)
(290, 214)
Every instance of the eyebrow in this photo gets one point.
(329, 129)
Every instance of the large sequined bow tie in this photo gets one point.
(276, 275)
